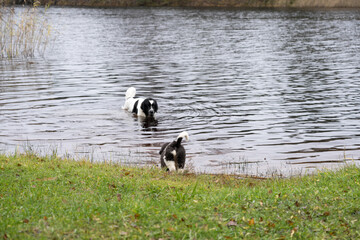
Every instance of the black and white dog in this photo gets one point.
(173, 154)
(141, 107)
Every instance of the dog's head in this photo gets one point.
(149, 107)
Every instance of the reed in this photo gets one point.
(23, 32)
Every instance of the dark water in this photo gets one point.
(259, 91)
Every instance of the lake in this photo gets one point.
(260, 92)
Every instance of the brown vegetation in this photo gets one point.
(208, 3)
(22, 33)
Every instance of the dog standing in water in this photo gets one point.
(139, 106)
(173, 154)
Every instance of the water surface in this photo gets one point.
(259, 91)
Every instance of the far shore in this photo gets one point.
(206, 3)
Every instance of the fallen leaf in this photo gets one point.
(271, 225)
(47, 179)
(26, 220)
(127, 173)
(252, 222)
(297, 204)
(294, 230)
(5, 236)
(231, 223)
(118, 197)
(174, 216)
(326, 214)
(137, 216)
(45, 218)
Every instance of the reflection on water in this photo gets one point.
(259, 91)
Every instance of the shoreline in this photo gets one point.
(205, 3)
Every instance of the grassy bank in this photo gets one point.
(207, 3)
(46, 197)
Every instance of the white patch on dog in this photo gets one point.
(170, 165)
(173, 153)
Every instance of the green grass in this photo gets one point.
(52, 198)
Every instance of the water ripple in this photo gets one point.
(259, 91)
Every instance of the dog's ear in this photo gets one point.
(155, 106)
(145, 106)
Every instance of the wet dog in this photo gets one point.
(173, 154)
(139, 106)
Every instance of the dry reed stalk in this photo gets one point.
(23, 32)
